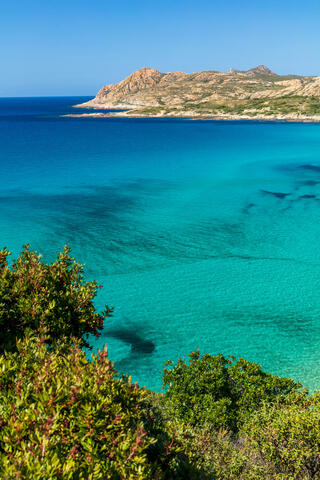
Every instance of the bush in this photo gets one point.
(168, 452)
(194, 452)
(217, 455)
(219, 391)
(51, 297)
(64, 417)
(287, 436)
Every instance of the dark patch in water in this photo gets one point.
(253, 258)
(97, 222)
(305, 169)
(248, 207)
(131, 337)
(294, 325)
(310, 183)
(307, 196)
(276, 194)
(308, 166)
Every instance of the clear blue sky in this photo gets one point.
(73, 47)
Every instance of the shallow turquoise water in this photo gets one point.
(204, 234)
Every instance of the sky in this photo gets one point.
(74, 47)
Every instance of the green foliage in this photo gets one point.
(168, 452)
(286, 105)
(196, 452)
(219, 391)
(64, 417)
(217, 455)
(287, 436)
(50, 297)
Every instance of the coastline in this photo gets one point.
(194, 116)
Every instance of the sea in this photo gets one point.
(204, 234)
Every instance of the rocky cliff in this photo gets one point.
(147, 91)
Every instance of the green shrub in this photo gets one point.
(219, 391)
(287, 436)
(194, 452)
(168, 452)
(53, 297)
(218, 455)
(64, 417)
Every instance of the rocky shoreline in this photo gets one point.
(196, 116)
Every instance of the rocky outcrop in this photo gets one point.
(121, 93)
(260, 70)
(208, 91)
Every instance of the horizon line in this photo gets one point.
(46, 96)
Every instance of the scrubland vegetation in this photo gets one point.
(64, 416)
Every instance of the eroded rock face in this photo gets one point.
(121, 93)
(139, 80)
(148, 87)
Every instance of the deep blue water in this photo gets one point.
(203, 234)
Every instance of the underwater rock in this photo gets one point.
(276, 194)
(131, 337)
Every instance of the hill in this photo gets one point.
(257, 92)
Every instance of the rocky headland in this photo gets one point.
(257, 94)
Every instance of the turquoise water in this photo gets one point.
(204, 234)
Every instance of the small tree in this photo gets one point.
(51, 297)
(220, 391)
